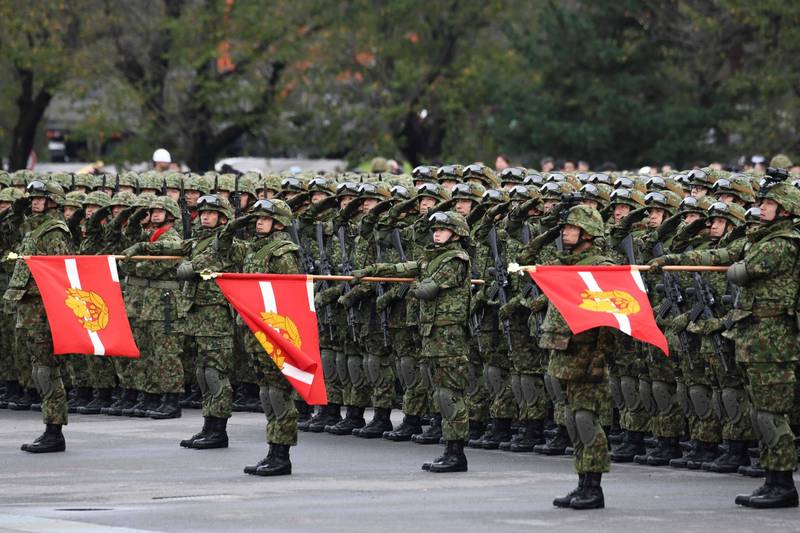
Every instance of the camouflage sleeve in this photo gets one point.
(169, 247)
(772, 258)
(284, 264)
(450, 274)
(54, 243)
(713, 257)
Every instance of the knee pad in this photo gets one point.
(516, 389)
(280, 401)
(664, 395)
(772, 427)
(328, 358)
(474, 378)
(646, 396)
(373, 366)
(586, 426)
(409, 373)
(682, 394)
(341, 367)
(495, 379)
(263, 395)
(447, 404)
(41, 379)
(569, 422)
(555, 389)
(214, 381)
(530, 389)
(615, 388)
(732, 403)
(425, 373)
(355, 369)
(200, 375)
(700, 396)
(630, 392)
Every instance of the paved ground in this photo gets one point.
(129, 474)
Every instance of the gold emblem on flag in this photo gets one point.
(89, 308)
(286, 328)
(617, 302)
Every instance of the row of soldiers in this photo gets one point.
(517, 379)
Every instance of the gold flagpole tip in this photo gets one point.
(207, 274)
(12, 256)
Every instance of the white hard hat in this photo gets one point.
(161, 156)
(644, 171)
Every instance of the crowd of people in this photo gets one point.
(489, 365)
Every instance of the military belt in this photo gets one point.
(153, 284)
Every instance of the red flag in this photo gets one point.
(279, 310)
(592, 296)
(84, 306)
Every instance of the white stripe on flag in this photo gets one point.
(112, 267)
(75, 282)
(268, 296)
(637, 277)
(591, 284)
(295, 373)
(310, 294)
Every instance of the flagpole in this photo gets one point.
(14, 256)
(514, 268)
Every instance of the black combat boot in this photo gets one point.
(328, 415)
(187, 443)
(432, 434)
(239, 404)
(102, 398)
(169, 408)
(78, 397)
(557, 445)
(616, 435)
(703, 453)
(501, 432)
(352, 420)
(23, 401)
(409, 427)
(52, 440)
(531, 435)
(453, 459)
(36, 400)
(251, 469)
(279, 464)
(781, 493)
(730, 461)
(744, 499)
(149, 402)
(476, 430)
(478, 442)
(381, 422)
(215, 437)
(754, 470)
(13, 390)
(591, 497)
(632, 445)
(304, 412)
(667, 449)
(564, 501)
(126, 401)
(193, 399)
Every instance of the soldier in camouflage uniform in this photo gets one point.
(47, 235)
(9, 240)
(765, 332)
(159, 372)
(270, 251)
(443, 288)
(577, 367)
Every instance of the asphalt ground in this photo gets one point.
(123, 474)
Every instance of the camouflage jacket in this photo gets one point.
(47, 234)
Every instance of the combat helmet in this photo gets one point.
(785, 194)
(276, 209)
(424, 173)
(88, 181)
(733, 213)
(599, 192)
(515, 175)
(630, 197)
(128, 179)
(690, 204)
(737, 185)
(167, 204)
(123, 198)
(50, 189)
(323, 185)
(780, 161)
(449, 173)
(587, 219)
(495, 197)
(74, 199)
(10, 194)
(433, 190)
(701, 177)
(173, 180)
(212, 202)
(468, 191)
(554, 190)
(379, 191)
(533, 178)
(480, 173)
(98, 198)
(666, 200)
(5, 179)
(449, 220)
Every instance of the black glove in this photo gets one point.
(241, 222)
(633, 217)
(139, 215)
(20, 205)
(100, 214)
(186, 272)
(75, 220)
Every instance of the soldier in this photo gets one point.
(271, 251)
(765, 331)
(159, 369)
(48, 235)
(443, 288)
(9, 240)
(577, 367)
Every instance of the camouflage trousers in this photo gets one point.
(158, 369)
(77, 370)
(329, 343)
(731, 400)
(356, 388)
(771, 387)
(8, 371)
(668, 417)
(588, 437)
(497, 374)
(406, 347)
(277, 399)
(378, 364)
(477, 395)
(446, 367)
(242, 368)
(527, 377)
(213, 358)
(704, 421)
(34, 342)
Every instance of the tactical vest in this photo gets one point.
(203, 257)
(258, 261)
(773, 296)
(451, 306)
(21, 277)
